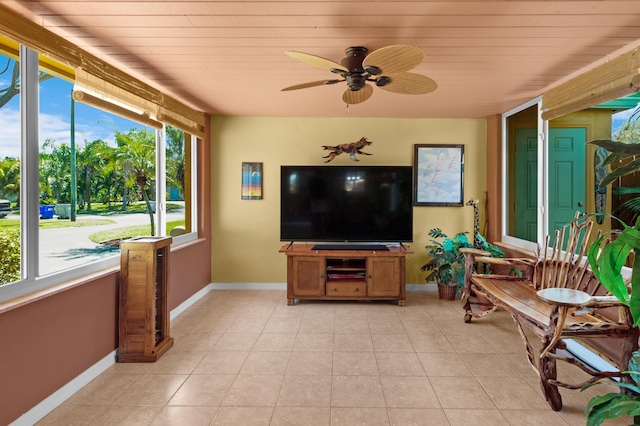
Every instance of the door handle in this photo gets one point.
(580, 204)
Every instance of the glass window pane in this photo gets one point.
(522, 182)
(9, 168)
(113, 196)
(178, 180)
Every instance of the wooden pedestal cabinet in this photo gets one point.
(345, 274)
(144, 319)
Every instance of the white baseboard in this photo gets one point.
(52, 402)
(190, 301)
(248, 286)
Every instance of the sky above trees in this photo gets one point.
(55, 118)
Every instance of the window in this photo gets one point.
(88, 177)
(551, 171)
(10, 255)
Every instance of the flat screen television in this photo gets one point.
(346, 203)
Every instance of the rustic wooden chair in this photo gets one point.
(556, 297)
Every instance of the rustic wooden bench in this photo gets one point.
(556, 297)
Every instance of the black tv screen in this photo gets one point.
(346, 203)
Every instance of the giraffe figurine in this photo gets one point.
(476, 224)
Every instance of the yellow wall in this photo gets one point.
(246, 233)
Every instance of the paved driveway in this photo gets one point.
(62, 248)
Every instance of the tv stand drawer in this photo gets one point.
(346, 288)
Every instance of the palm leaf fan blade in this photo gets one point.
(316, 61)
(309, 84)
(394, 59)
(408, 83)
(352, 97)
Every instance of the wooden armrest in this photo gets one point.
(507, 261)
(474, 251)
(604, 302)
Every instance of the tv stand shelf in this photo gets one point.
(345, 274)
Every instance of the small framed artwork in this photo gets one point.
(438, 175)
(251, 181)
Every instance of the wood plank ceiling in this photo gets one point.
(227, 57)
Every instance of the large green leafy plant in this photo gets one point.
(446, 263)
(607, 256)
(614, 405)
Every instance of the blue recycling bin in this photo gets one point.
(46, 212)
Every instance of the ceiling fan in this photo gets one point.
(385, 67)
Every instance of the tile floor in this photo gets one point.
(245, 358)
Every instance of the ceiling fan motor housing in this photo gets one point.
(357, 76)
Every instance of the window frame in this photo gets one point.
(31, 281)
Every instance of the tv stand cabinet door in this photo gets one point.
(307, 275)
(383, 276)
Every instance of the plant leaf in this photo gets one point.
(617, 147)
(628, 168)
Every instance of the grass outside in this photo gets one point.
(60, 223)
(128, 232)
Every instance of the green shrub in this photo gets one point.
(9, 256)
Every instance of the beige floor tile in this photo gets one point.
(354, 364)
(356, 391)
(247, 325)
(135, 368)
(386, 326)
(351, 311)
(203, 390)
(408, 392)
(177, 362)
(243, 416)
(470, 343)
(151, 389)
(193, 416)
(491, 365)
(360, 342)
(461, 392)
(465, 417)
(198, 341)
(282, 325)
(254, 391)
(418, 325)
(512, 393)
(313, 342)
(443, 364)
(391, 343)
(314, 325)
(417, 417)
(222, 362)
(434, 341)
(521, 364)
(305, 391)
(129, 416)
(266, 363)
(359, 417)
(349, 325)
(533, 417)
(298, 416)
(399, 364)
(72, 415)
(236, 342)
(103, 390)
(310, 364)
(275, 342)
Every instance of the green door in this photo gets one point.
(567, 175)
(567, 179)
(526, 185)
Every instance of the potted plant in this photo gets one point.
(446, 263)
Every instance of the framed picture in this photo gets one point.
(438, 175)
(251, 181)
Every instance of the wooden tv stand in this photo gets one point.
(345, 274)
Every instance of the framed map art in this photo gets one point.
(438, 175)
